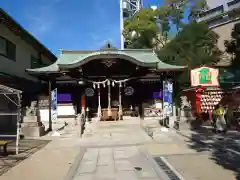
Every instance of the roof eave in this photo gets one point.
(31, 72)
(170, 69)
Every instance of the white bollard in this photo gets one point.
(174, 111)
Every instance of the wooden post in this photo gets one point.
(109, 99)
(120, 101)
(50, 105)
(99, 102)
(18, 122)
(83, 104)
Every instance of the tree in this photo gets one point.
(141, 29)
(195, 7)
(233, 45)
(152, 28)
(195, 45)
(148, 28)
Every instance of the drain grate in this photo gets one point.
(166, 169)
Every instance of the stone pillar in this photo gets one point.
(174, 111)
(87, 115)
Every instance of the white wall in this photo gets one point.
(23, 55)
(224, 31)
(215, 3)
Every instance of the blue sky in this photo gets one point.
(69, 24)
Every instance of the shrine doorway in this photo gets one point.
(120, 95)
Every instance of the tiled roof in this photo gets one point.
(71, 59)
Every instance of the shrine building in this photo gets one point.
(109, 82)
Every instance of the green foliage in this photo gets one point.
(233, 45)
(141, 29)
(195, 45)
(151, 29)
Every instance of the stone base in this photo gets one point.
(33, 131)
(30, 119)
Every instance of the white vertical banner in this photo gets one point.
(167, 97)
(54, 105)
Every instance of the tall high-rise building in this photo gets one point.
(220, 11)
(215, 3)
(131, 7)
(221, 17)
(128, 8)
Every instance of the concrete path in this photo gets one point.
(189, 159)
(118, 163)
(119, 150)
(115, 133)
(200, 166)
(114, 152)
(53, 162)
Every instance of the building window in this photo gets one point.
(3, 46)
(36, 62)
(7, 49)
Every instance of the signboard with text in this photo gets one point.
(204, 76)
(167, 97)
(54, 105)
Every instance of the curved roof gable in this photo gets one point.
(141, 59)
(71, 59)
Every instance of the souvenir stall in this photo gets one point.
(204, 93)
(210, 98)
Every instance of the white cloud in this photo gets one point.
(41, 18)
(39, 25)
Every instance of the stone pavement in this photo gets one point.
(114, 152)
(119, 150)
(204, 135)
(193, 161)
(117, 163)
(199, 166)
(53, 162)
(115, 133)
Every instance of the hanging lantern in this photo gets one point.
(113, 84)
(94, 85)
